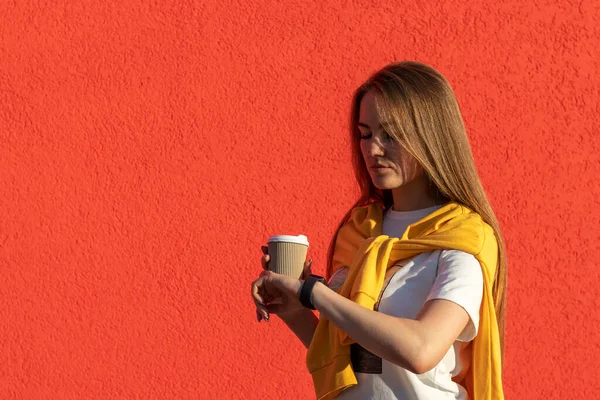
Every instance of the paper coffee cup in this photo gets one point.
(287, 254)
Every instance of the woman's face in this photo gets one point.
(389, 165)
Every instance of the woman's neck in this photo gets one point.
(416, 195)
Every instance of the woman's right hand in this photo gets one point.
(283, 307)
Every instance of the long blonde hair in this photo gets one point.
(425, 119)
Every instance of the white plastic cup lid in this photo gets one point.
(300, 239)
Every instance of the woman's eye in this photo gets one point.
(365, 135)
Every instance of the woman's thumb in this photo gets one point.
(307, 269)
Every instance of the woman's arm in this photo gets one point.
(303, 323)
(416, 345)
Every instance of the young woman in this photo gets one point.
(413, 307)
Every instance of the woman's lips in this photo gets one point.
(381, 169)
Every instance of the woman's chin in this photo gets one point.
(384, 185)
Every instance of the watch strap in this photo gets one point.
(307, 288)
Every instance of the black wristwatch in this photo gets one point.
(307, 288)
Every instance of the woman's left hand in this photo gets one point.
(276, 294)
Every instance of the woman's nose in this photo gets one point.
(376, 148)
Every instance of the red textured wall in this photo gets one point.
(148, 150)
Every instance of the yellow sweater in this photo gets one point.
(361, 246)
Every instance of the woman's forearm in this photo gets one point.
(397, 340)
(303, 323)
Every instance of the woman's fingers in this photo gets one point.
(255, 290)
(259, 296)
(264, 261)
(307, 269)
(262, 311)
(262, 296)
(274, 294)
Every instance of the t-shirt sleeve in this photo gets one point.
(337, 279)
(460, 280)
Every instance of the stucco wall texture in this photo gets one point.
(148, 149)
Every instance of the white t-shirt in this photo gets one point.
(441, 274)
